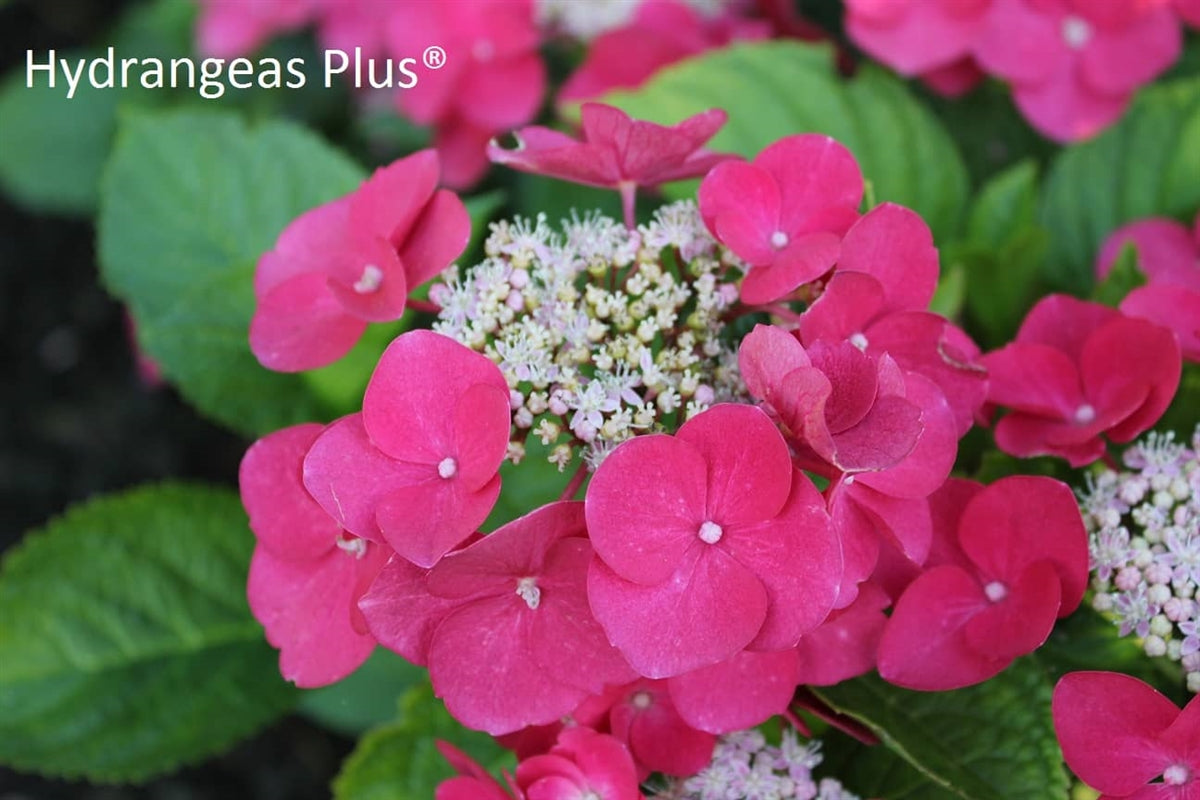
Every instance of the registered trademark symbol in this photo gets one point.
(435, 57)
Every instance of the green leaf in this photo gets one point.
(773, 89)
(189, 201)
(992, 741)
(876, 771)
(1124, 277)
(400, 762)
(126, 645)
(52, 148)
(365, 698)
(1003, 253)
(1148, 164)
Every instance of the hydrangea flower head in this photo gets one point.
(785, 212)
(1074, 64)
(1169, 255)
(708, 542)
(617, 152)
(1077, 371)
(1123, 738)
(418, 468)
(1144, 529)
(353, 261)
(1018, 562)
(307, 573)
(229, 28)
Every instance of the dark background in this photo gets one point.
(76, 420)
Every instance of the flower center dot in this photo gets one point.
(641, 700)
(1085, 414)
(1176, 775)
(448, 468)
(995, 591)
(779, 240)
(859, 341)
(1076, 32)
(483, 50)
(372, 277)
(527, 590)
(352, 544)
(710, 532)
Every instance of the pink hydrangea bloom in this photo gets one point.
(1074, 64)
(916, 36)
(843, 407)
(887, 272)
(352, 261)
(617, 152)
(418, 468)
(1018, 562)
(1123, 738)
(307, 573)
(785, 212)
(583, 764)
(708, 542)
(1169, 255)
(493, 78)
(510, 639)
(230, 28)
(1077, 371)
(660, 33)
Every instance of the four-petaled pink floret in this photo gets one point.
(353, 261)
(707, 543)
(785, 212)
(419, 467)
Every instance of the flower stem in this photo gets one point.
(575, 482)
(427, 306)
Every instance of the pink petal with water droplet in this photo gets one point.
(1021, 621)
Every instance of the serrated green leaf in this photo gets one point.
(773, 89)
(52, 148)
(400, 762)
(992, 741)
(365, 698)
(189, 201)
(126, 644)
(1148, 164)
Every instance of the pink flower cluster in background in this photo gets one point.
(493, 77)
(1073, 65)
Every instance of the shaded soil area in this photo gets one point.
(76, 421)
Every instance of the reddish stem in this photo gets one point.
(814, 705)
(575, 482)
(427, 306)
(628, 197)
